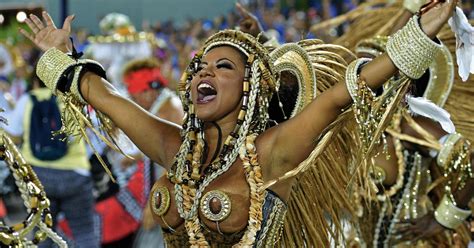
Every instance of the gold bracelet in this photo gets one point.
(88, 65)
(352, 77)
(447, 148)
(449, 215)
(411, 50)
(52, 65)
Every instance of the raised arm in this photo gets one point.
(294, 140)
(156, 138)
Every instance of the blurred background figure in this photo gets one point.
(119, 44)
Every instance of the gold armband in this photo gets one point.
(352, 78)
(411, 50)
(52, 66)
(449, 215)
(62, 73)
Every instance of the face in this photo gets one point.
(216, 89)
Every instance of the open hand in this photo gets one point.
(249, 23)
(45, 35)
(436, 14)
(421, 228)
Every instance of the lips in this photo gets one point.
(206, 92)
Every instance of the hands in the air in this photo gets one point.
(249, 23)
(45, 35)
(435, 15)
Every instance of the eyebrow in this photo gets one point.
(219, 60)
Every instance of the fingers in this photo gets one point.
(27, 34)
(440, 3)
(67, 23)
(37, 21)
(406, 236)
(32, 25)
(48, 19)
(403, 228)
(418, 237)
(242, 11)
(405, 233)
(452, 5)
(246, 23)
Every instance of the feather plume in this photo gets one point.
(464, 43)
(426, 108)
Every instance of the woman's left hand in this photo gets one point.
(421, 228)
(249, 23)
(436, 16)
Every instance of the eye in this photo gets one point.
(224, 65)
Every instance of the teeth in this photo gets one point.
(205, 86)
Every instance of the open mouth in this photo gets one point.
(206, 92)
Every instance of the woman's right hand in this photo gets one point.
(45, 35)
(435, 15)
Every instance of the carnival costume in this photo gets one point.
(319, 193)
(408, 198)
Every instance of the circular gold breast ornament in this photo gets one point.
(215, 205)
(160, 200)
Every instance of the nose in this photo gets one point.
(206, 71)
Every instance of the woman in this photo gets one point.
(225, 93)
